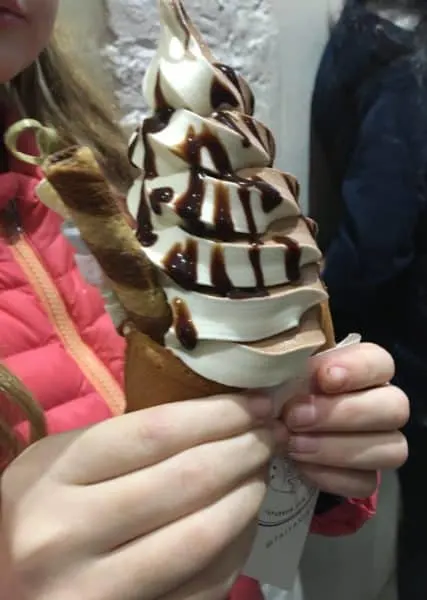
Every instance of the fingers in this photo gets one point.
(167, 559)
(341, 482)
(381, 409)
(216, 582)
(363, 452)
(353, 368)
(181, 485)
(142, 439)
(36, 460)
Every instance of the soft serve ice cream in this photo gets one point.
(236, 259)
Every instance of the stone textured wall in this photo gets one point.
(240, 33)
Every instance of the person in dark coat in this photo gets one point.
(369, 120)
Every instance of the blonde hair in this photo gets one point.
(56, 93)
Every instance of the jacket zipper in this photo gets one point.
(92, 367)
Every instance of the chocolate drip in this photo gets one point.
(230, 74)
(270, 197)
(191, 150)
(181, 264)
(219, 277)
(133, 145)
(221, 283)
(224, 227)
(250, 124)
(292, 256)
(185, 329)
(189, 205)
(271, 147)
(269, 144)
(161, 104)
(221, 95)
(159, 121)
(227, 120)
(252, 103)
(311, 225)
(145, 232)
(156, 123)
(245, 199)
(255, 258)
(292, 184)
(158, 197)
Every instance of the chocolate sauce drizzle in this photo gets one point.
(189, 205)
(154, 124)
(145, 233)
(160, 196)
(221, 282)
(227, 120)
(293, 185)
(185, 329)
(255, 258)
(245, 199)
(250, 124)
(133, 145)
(181, 262)
(223, 97)
(292, 257)
(191, 150)
(224, 226)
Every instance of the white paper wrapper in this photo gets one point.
(285, 517)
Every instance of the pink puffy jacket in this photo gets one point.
(56, 337)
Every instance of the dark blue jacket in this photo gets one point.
(370, 123)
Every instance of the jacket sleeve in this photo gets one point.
(336, 516)
(246, 589)
(374, 244)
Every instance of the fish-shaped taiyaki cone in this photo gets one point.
(222, 227)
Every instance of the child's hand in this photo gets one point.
(160, 503)
(349, 427)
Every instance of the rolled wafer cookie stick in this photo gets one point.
(86, 194)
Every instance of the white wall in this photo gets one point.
(303, 32)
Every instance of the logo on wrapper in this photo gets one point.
(295, 495)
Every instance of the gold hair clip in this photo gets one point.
(47, 141)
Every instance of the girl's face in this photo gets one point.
(25, 29)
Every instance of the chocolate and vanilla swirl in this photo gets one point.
(237, 260)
